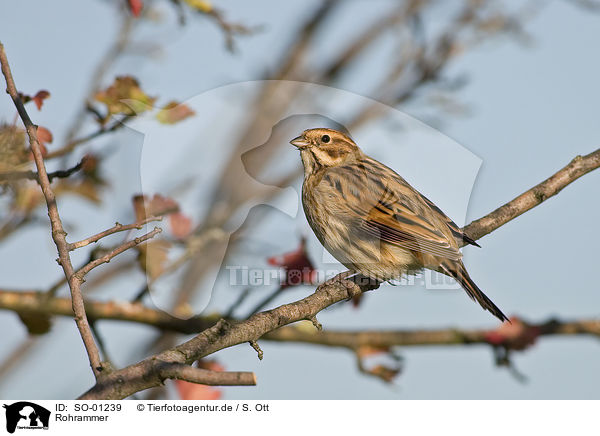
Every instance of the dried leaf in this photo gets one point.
(181, 225)
(44, 135)
(13, 151)
(27, 198)
(36, 323)
(156, 206)
(39, 98)
(139, 207)
(126, 97)
(385, 373)
(160, 205)
(85, 188)
(153, 256)
(174, 112)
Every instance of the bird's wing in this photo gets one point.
(456, 231)
(391, 210)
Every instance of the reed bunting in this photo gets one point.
(372, 221)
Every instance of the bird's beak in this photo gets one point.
(300, 142)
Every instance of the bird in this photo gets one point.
(372, 220)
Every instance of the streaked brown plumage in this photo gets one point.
(371, 220)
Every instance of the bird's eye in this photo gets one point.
(325, 139)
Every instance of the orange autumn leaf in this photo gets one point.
(174, 112)
(44, 135)
(125, 96)
(156, 206)
(181, 225)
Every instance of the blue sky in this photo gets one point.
(532, 109)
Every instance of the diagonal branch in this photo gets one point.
(58, 233)
(125, 382)
(533, 197)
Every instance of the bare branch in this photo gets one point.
(116, 228)
(406, 338)
(38, 302)
(58, 232)
(154, 371)
(80, 274)
(32, 175)
(533, 197)
(224, 335)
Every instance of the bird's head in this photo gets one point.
(325, 148)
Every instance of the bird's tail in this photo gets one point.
(459, 273)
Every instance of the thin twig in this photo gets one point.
(80, 274)
(71, 145)
(58, 232)
(32, 175)
(116, 228)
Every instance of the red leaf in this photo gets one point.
(516, 335)
(181, 225)
(160, 205)
(297, 265)
(44, 135)
(39, 98)
(156, 206)
(135, 6)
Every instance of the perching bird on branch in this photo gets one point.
(372, 221)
